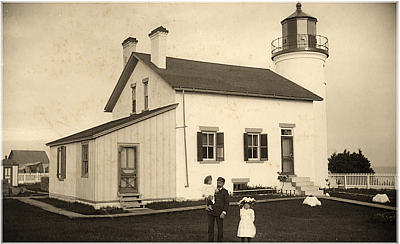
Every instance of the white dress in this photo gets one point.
(246, 225)
(208, 191)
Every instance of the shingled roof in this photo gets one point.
(22, 157)
(197, 76)
(111, 126)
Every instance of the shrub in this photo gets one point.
(349, 163)
(386, 217)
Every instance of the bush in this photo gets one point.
(349, 163)
(387, 217)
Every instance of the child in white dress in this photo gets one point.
(246, 228)
(208, 191)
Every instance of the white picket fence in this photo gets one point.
(363, 180)
(30, 178)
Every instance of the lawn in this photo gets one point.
(364, 195)
(80, 208)
(276, 222)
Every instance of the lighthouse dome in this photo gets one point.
(299, 14)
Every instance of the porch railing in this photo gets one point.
(30, 178)
(363, 180)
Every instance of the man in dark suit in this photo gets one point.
(218, 211)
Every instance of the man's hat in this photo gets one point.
(221, 179)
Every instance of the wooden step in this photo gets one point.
(299, 179)
(130, 205)
(307, 188)
(128, 194)
(316, 193)
(130, 199)
(303, 183)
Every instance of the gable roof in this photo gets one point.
(8, 162)
(111, 126)
(197, 76)
(28, 156)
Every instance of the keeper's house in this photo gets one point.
(176, 121)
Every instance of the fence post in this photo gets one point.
(345, 185)
(368, 181)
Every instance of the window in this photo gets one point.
(7, 172)
(61, 163)
(286, 132)
(146, 93)
(85, 160)
(210, 146)
(133, 86)
(252, 148)
(255, 147)
(239, 186)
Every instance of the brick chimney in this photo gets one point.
(128, 46)
(158, 39)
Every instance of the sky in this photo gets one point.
(62, 61)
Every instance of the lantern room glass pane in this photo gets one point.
(311, 28)
(302, 26)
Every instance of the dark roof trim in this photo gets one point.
(158, 29)
(125, 75)
(134, 119)
(129, 39)
(245, 94)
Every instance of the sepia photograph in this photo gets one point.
(199, 121)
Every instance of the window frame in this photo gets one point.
(214, 146)
(7, 171)
(85, 161)
(146, 94)
(61, 163)
(218, 144)
(133, 93)
(262, 146)
(252, 134)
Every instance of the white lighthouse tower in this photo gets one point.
(300, 56)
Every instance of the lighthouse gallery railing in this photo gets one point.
(299, 42)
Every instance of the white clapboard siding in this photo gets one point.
(156, 160)
(84, 184)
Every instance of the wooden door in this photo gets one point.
(128, 169)
(287, 155)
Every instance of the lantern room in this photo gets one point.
(299, 33)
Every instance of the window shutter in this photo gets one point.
(246, 145)
(264, 147)
(199, 147)
(63, 162)
(220, 146)
(58, 162)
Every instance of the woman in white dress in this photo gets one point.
(246, 228)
